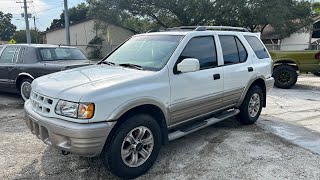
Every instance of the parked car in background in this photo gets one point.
(20, 64)
(288, 64)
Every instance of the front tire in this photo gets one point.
(251, 107)
(285, 76)
(134, 147)
(25, 88)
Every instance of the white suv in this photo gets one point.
(154, 88)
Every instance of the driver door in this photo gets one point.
(195, 94)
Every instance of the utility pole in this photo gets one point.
(66, 19)
(35, 29)
(27, 21)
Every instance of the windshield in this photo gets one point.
(149, 52)
(54, 54)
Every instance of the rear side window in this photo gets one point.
(257, 47)
(55, 54)
(8, 55)
(203, 49)
(233, 50)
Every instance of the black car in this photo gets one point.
(20, 64)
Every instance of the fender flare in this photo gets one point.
(246, 89)
(25, 74)
(125, 107)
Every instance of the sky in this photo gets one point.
(44, 11)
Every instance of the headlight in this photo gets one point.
(75, 110)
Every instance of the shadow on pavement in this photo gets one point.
(10, 99)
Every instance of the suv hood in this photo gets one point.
(73, 84)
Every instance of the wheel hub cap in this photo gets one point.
(137, 146)
(284, 77)
(26, 90)
(254, 105)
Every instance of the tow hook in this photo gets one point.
(63, 152)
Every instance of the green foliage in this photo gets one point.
(20, 36)
(7, 29)
(76, 14)
(95, 46)
(286, 16)
(316, 8)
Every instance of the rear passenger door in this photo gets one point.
(194, 94)
(238, 68)
(260, 57)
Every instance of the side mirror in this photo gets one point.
(189, 65)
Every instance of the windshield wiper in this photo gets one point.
(129, 65)
(107, 63)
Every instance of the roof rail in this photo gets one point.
(205, 28)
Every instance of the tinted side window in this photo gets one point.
(203, 49)
(257, 47)
(242, 51)
(229, 50)
(8, 55)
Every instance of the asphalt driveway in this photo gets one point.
(226, 150)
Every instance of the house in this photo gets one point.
(81, 33)
(297, 41)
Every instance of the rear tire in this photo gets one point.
(126, 154)
(317, 73)
(25, 88)
(251, 106)
(285, 76)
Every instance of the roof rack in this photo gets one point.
(205, 28)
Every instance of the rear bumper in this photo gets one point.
(269, 83)
(82, 139)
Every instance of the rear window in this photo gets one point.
(257, 47)
(56, 54)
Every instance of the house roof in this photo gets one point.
(79, 22)
(270, 33)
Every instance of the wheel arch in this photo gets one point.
(22, 76)
(257, 81)
(152, 108)
(291, 62)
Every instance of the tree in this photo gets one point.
(76, 14)
(286, 16)
(20, 36)
(7, 29)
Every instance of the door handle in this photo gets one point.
(216, 77)
(250, 69)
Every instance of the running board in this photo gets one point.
(202, 124)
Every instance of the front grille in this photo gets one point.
(41, 104)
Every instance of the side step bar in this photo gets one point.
(202, 124)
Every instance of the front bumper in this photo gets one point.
(82, 139)
(269, 84)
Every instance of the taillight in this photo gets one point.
(317, 56)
